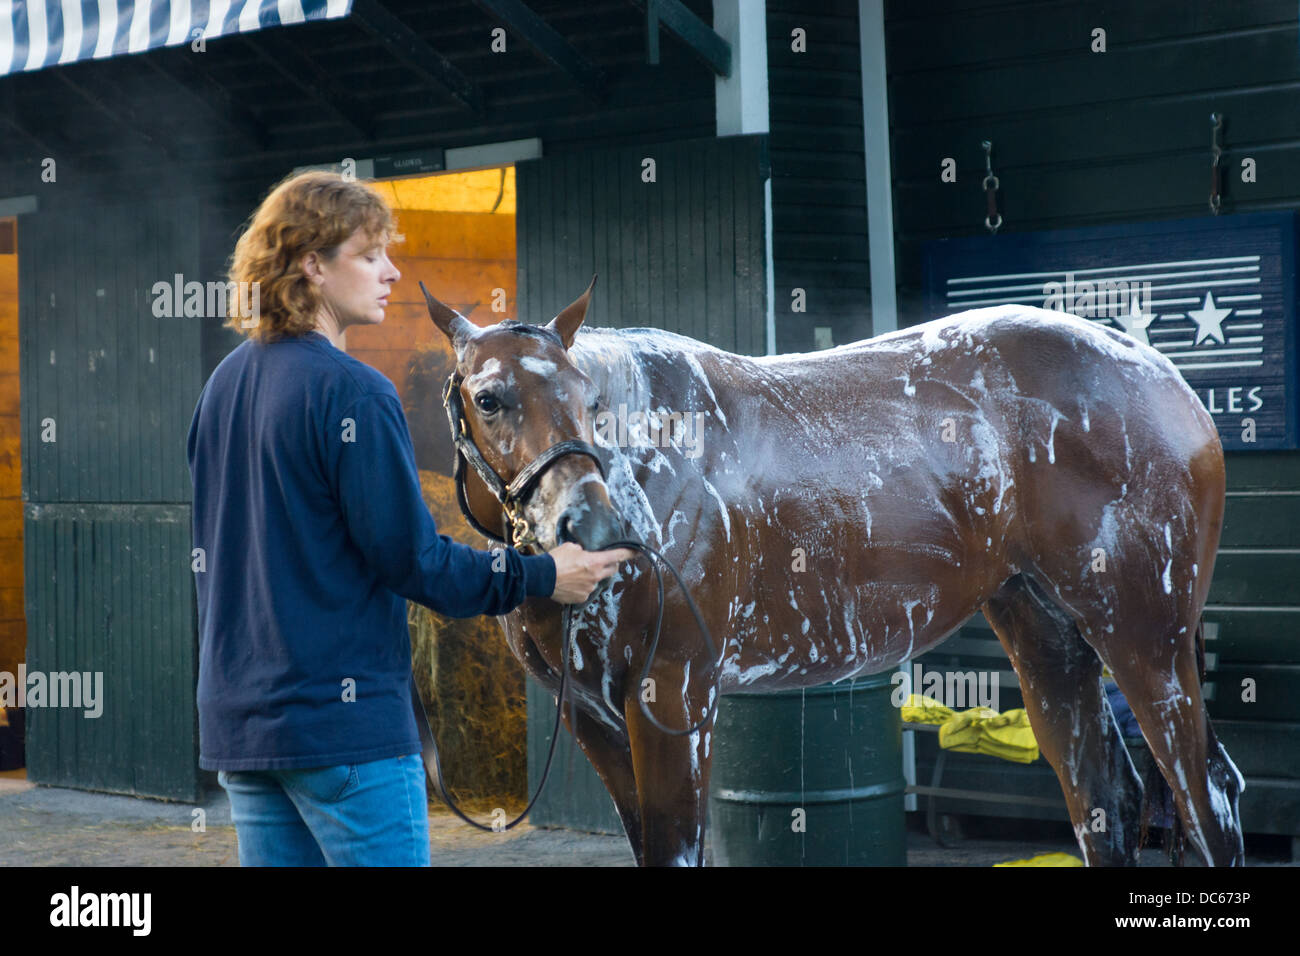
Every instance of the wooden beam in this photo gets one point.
(698, 36)
(107, 97)
(179, 70)
(407, 46)
(38, 88)
(9, 117)
(538, 35)
(309, 78)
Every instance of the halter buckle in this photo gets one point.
(520, 528)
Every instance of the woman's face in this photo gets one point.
(356, 283)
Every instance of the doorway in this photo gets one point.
(13, 623)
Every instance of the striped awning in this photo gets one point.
(40, 33)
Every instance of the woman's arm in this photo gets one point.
(379, 494)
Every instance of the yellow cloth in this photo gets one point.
(978, 730)
(925, 710)
(1046, 859)
(985, 731)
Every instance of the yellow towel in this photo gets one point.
(1009, 736)
(978, 730)
(962, 733)
(1046, 859)
(925, 710)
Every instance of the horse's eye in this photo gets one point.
(486, 402)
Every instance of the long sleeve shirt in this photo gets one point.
(310, 534)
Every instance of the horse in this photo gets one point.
(842, 511)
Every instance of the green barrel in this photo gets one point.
(834, 752)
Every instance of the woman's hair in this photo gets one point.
(310, 212)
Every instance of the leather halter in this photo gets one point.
(515, 530)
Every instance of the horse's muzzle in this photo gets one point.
(592, 529)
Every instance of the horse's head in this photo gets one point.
(520, 398)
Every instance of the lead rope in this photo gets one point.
(429, 747)
(433, 765)
(655, 560)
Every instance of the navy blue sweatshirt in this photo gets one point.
(313, 534)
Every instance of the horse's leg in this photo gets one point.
(1162, 685)
(609, 753)
(672, 780)
(1060, 677)
(606, 748)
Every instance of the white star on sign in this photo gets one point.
(1135, 323)
(1209, 320)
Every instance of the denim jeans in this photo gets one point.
(364, 814)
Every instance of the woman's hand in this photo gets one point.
(577, 572)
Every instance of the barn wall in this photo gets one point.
(819, 213)
(108, 392)
(1083, 138)
(684, 253)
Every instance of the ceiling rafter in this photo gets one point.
(698, 36)
(310, 78)
(110, 99)
(547, 43)
(411, 49)
(210, 96)
(11, 120)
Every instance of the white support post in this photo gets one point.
(741, 104)
(880, 200)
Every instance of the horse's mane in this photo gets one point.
(621, 361)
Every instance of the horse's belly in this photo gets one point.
(863, 629)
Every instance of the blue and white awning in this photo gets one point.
(40, 33)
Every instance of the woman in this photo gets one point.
(310, 534)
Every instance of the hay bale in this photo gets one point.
(472, 686)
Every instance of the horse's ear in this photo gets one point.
(569, 320)
(455, 326)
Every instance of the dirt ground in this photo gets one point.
(49, 826)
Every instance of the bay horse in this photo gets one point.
(845, 510)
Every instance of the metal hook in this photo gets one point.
(990, 181)
(1216, 154)
(990, 186)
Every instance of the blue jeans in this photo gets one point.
(364, 814)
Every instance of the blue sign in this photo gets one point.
(1216, 296)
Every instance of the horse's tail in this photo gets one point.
(1156, 795)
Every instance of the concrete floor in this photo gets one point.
(49, 826)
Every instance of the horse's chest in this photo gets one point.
(594, 678)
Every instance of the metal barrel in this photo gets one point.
(809, 777)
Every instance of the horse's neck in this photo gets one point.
(643, 369)
(643, 372)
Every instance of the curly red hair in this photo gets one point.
(314, 211)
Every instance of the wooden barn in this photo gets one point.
(764, 175)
